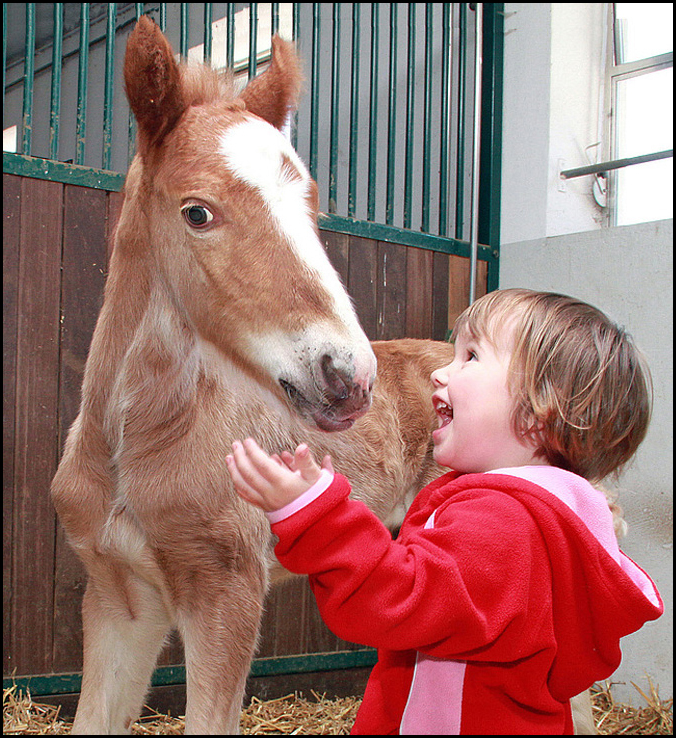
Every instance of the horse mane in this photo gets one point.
(200, 84)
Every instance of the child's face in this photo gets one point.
(474, 408)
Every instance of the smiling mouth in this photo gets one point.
(443, 410)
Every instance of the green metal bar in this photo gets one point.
(295, 32)
(253, 38)
(373, 116)
(314, 86)
(460, 153)
(476, 145)
(335, 110)
(55, 93)
(185, 29)
(208, 34)
(4, 51)
(444, 123)
(55, 684)
(354, 112)
(83, 73)
(274, 18)
(410, 102)
(108, 93)
(230, 35)
(28, 81)
(391, 118)
(491, 144)
(403, 236)
(57, 171)
(427, 120)
(163, 17)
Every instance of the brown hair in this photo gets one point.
(582, 389)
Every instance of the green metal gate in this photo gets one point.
(386, 125)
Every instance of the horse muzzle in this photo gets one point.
(338, 396)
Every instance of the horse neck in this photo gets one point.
(133, 301)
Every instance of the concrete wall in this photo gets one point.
(556, 239)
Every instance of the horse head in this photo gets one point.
(229, 212)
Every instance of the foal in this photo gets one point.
(222, 318)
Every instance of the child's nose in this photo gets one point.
(440, 376)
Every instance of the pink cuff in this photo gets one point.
(320, 486)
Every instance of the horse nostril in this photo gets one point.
(338, 382)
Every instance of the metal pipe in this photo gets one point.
(28, 81)
(615, 164)
(391, 119)
(460, 138)
(83, 73)
(55, 95)
(108, 94)
(335, 109)
(444, 126)
(410, 102)
(373, 117)
(476, 140)
(427, 121)
(253, 39)
(354, 112)
(208, 32)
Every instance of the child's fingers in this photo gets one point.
(306, 464)
(328, 464)
(242, 487)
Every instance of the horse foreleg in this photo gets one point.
(220, 632)
(124, 622)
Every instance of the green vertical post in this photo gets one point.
(253, 38)
(83, 72)
(444, 127)
(391, 118)
(491, 139)
(335, 110)
(109, 85)
(460, 154)
(373, 117)
(230, 35)
(55, 93)
(314, 96)
(208, 20)
(410, 103)
(354, 112)
(427, 120)
(28, 80)
(185, 30)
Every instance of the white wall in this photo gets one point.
(556, 240)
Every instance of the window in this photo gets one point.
(641, 82)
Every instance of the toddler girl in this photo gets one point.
(505, 593)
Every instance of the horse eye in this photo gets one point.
(197, 216)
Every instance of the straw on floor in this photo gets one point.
(317, 715)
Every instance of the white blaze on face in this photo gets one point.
(261, 156)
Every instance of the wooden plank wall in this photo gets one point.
(54, 264)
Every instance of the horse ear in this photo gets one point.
(152, 83)
(274, 93)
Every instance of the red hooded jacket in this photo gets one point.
(504, 595)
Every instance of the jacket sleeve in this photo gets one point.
(449, 590)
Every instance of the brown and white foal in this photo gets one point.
(222, 318)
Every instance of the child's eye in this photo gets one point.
(471, 355)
